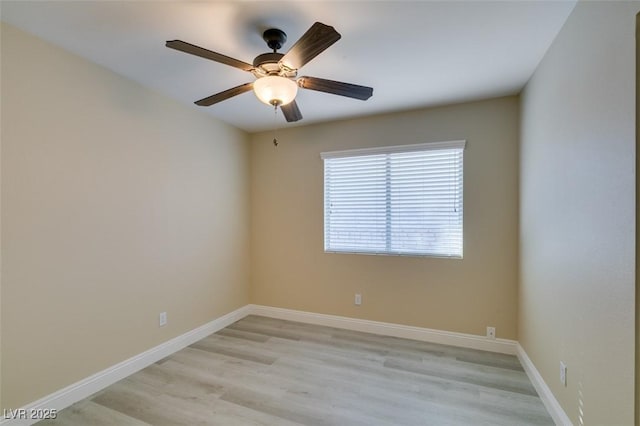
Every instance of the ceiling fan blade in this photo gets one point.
(183, 46)
(317, 38)
(291, 112)
(229, 93)
(336, 87)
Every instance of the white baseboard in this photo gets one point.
(472, 341)
(550, 402)
(92, 384)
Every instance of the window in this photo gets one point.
(404, 200)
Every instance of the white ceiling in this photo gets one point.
(413, 53)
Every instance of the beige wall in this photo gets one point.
(290, 269)
(117, 204)
(1, 97)
(577, 234)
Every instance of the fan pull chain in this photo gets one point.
(275, 120)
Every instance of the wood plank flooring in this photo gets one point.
(263, 371)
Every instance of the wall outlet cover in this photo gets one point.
(563, 373)
(491, 332)
(358, 299)
(163, 319)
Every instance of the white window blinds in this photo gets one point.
(395, 200)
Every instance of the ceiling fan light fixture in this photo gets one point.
(275, 90)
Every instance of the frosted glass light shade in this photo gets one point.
(275, 90)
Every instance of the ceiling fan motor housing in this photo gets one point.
(267, 59)
(269, 64)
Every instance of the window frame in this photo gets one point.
(428, 146)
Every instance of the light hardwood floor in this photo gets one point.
(263, 371)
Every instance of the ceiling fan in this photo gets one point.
(276, 74)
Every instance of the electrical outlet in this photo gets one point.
(358, 299)
(163, 319)
(563, 373)
(491, 332)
